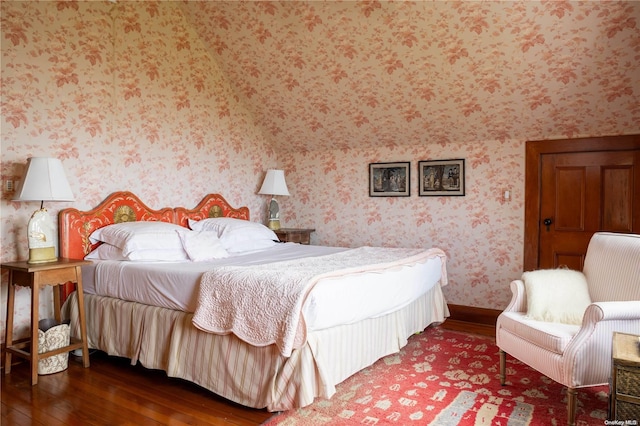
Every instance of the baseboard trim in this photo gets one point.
(472, 319)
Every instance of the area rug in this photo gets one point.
(444, 377)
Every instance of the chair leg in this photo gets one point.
(503, 367)
(571, 406)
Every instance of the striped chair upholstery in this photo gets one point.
(579, 355)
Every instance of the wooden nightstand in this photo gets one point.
(37, 276)
(294, 235)
(625, 378)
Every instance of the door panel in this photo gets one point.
(617, 201)
(582, 193)
(581, 179)
(573, 261)
(570, 185)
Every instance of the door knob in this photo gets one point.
(547, 222)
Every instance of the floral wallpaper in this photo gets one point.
(128, 97)
(173, 100)
(340, 75)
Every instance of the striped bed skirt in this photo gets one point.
(258, 377)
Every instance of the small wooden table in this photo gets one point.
(625, 378)
(37, 276)
(295, 235)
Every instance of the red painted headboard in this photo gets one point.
(75, 226)
(212, 205)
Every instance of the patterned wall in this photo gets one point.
(174, 100)
(128, 98)
(336, 75)
(338, 85)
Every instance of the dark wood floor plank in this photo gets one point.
(14, 417)
(112, 392)
(144, 403)
(109, 403)
(153, 388)
(28, 401)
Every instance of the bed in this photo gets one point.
(328, 335)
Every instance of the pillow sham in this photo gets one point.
(107, 251)
(224, 225)
(158, 255)
(236, 246)
(202, 246)
(556, 295)
(237, 235)
(131, 236)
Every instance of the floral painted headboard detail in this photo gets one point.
(213, 205)
(76, 226)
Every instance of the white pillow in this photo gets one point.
(108, 252)
(556, 295)
(158, 255)
(229, 224)
(203, 245)
(237, 235)
(234, 245)
(105, 252)
(131, 236)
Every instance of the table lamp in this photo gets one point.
(44, 180)
(274, 184)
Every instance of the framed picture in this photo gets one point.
(441, 177)
(389, 179)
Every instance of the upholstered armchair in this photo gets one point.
(577, 355)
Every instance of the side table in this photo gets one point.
(625, 378)
(295, 235)
(37, 276)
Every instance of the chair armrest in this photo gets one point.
(599, 322)
(609, 311)
(607, 316)
(518, 301)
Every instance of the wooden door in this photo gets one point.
(583, 193)
(575, 188)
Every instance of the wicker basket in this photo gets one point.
(53, 338)
(627, 411)
(628, 383)
(629, 380)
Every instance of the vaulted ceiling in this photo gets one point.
(327, 75)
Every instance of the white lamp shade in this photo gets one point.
(44, 180)
(274, 183)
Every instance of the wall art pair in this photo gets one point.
(436, 178)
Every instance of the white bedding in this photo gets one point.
(174, 285)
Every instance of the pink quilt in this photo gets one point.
(262, 304)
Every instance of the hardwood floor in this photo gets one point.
(470, 327)
(112, 392)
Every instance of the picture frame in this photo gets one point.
(437, 178)
(390, 179)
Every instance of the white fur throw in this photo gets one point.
(556, 295)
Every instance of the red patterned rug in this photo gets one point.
(444, 377)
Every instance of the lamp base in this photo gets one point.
(42, 255)
(274, 224)
(41, 234)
